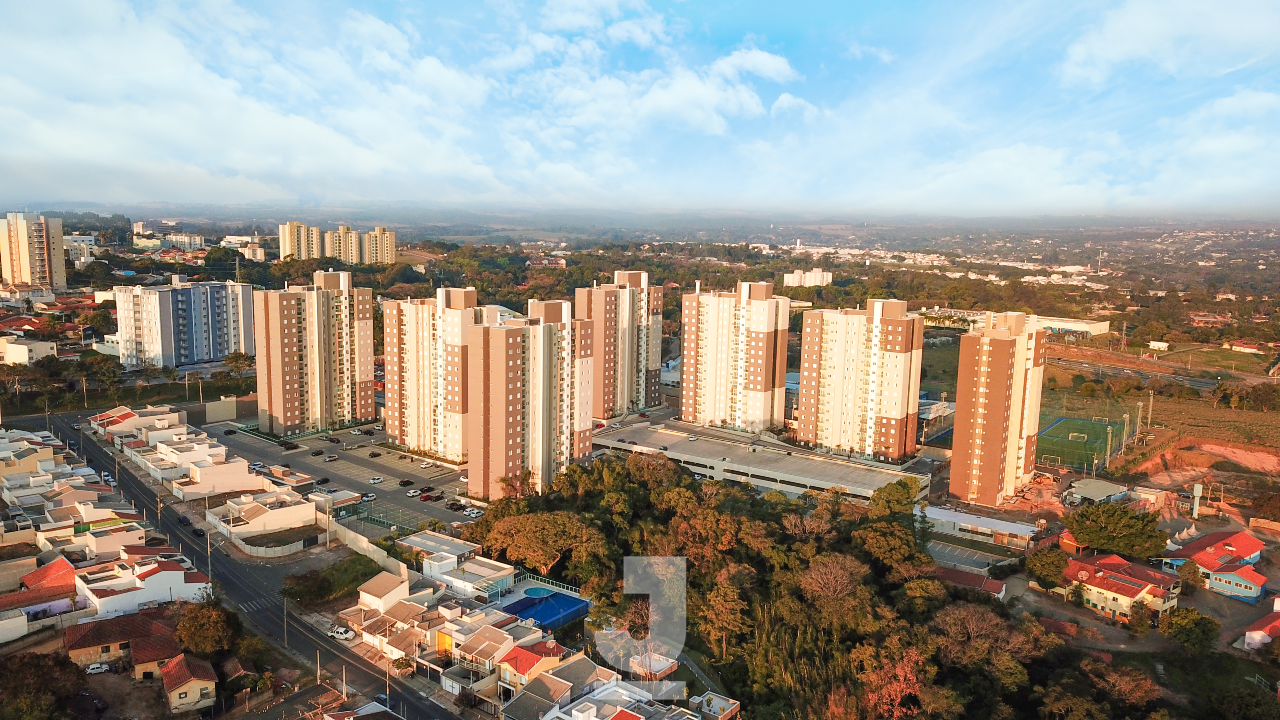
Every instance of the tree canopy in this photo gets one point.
(1115, 528)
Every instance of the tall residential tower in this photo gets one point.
(860, 380)
(734, 357)
(627, 350)
(183, 323)
(315, 355)
(997, 408)
(32, 251)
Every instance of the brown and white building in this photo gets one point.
(303, 242)
(997, 408)
(627, 343)
(476, 384)
(32, 251)
(315, 355)
(860, 380)
(734, 357)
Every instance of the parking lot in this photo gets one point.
(353, 470)
(962, 557)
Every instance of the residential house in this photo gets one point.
(268, 512)
(523, 663)
(206, 478)
(112, 639)
(150, 653)
(189, 683)
(1226, 563)
(974, 581)
(652, 666)
(46, 590)
(382, 591)
(121, 587)
(1112, 585)
(458, 564)
(715, 707)
(122, 420)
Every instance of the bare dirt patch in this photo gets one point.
(18, 550)
(129, 698)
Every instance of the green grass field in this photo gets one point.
(940, 365)
(1077, 441)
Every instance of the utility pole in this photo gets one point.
(1137, 429)
(1124, 439)
(1151, 405)
(317, 653)
(344, 682)
(286, 620)
(238, 272)
(1107, 460)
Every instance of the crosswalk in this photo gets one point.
(259, 604)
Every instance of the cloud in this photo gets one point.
(1181, 38)
(756, 62)
(858, 50)
(787, 104)
(580, 15)
(644, 32)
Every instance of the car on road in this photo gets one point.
(662, 447)
(184, 521)
(406, 483)
(317, 453)
(338, 632)
(368, 497)
(381, 699)
(402, 457)
(323, 481)
(76, 426)
(375, 453)
(379, 427)
(198, 532)
(369, 433)
(425, 465)
(97, 668)
(356, 431)
(330, 458)
(615, 426)
(413, 493)
(111, 482)
(375, 479)
(644, 415)
(335, 440)
(228, 432)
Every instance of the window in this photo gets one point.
(106, 649)
(182, 696)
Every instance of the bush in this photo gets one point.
(338, 580)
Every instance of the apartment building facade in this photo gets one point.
(183, 323)
(315, 355)
(32, 252)
(860, 380)
(303, 242)
(626, 343)
(476, 384)
(734, 357)
(997, 408)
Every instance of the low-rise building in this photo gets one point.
(1225, 560)
(24, 351)
(947, 521)
(1112, 585)
(715, 707)
(189, 683)
(267, 512)
(112, 639)
(122, 420)
(458, 564)
(206, 478)
(121, 587)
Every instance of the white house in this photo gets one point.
(1266, 629)
(267, 512)
(120, 587)
(206, 478)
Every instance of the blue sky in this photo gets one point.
(977, 108)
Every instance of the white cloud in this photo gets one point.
(643, 32)
(757, 62)
(579, 15)
(1180, 37)
(859, 51)
(787, 104)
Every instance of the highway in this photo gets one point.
(1144, 375)
(253, 589)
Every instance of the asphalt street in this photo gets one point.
(1116, 371)
(255, 589)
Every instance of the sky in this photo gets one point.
(964, 109)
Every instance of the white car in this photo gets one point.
(425, 465)
(97, 668)
(375, 479)
(368, 497)
(357, 432)
(473, 512)
(75, 427)
(111, 482)
(379, 427)
(615, 426)
(413, 493)
(341, 633)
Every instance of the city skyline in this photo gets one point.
(1001, 109)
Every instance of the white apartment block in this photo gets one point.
(816, 277)
(860, 380)
(183, 323)
(627, 352)
(315, 355)
(32, 251)
(734, 357)
(303, 242)
(997, 408)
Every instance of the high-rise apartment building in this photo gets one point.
(476, 384)
(997, 408)
(734, 357)
(301, 242)
(183, 323)
(32, 252)
(860, 380)
(627, 351)
(315, 355)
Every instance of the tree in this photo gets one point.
(1195, 632)
(1139, 619)
(1116, 528)
(723, 616)
(437, 525)
(1243, 702)
(252, 649)
(1192, 580)
(203, 628)
(402, 664)
(1048, 566)
(238, 363)
(542, 539)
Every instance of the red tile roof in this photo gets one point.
(1214, 550)
(625, 715)
(57, 574)
(1114, 574)
(1244, 572)
(195, 577)
(116, 630)
(159, 567)
(1269, 624)
(521, 660)
(972, 580)
(185, 668)
(546, 648)
(154, 648)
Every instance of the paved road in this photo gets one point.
(1144, 375)
(354, 468)
(255, 589)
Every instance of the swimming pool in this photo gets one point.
(538, 592)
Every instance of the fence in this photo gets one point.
(365, 547)
(271, 552)
(1081, 443)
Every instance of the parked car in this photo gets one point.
(375, 453)
(111, 482)
(615, 426)
(335, 440)
(317, 453)
(369, 433)
(341, 633)
(184, 521)
(368, 497)
(375, 479)
(379, 426)
(402, 457)
(198, 532)
(228, 432)
(323, 481)
(330, 458)
(97, 668)
(290, 445)
(425, 465)
(406, 483)
(425, 498)
(356, 431)
(428, 488)
(454, 506)
(413, 493)
(662, 447)
(644, 415)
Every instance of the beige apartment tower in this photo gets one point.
(997, 408)
(315, 355)
(734, 357)
(32, 252)
(477, 384)
(627, 351)
(860, 380)
(302, 242)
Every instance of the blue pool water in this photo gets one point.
(538, 592)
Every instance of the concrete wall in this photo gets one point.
(266, 552)
(13, 625)
(17, 536)
(364, 546)
(11, 572)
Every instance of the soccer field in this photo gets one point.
(1076, 442)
